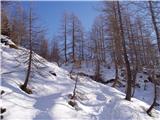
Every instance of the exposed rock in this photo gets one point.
(52, 73)
(2, 92)
(3, 110)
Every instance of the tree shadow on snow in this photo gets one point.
(44, 104)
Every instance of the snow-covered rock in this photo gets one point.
(5, 40)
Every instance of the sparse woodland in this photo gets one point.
(125, 36)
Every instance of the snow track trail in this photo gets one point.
(44, 105)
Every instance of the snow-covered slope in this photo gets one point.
(144, 90)
(49, 100)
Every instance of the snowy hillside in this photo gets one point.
(50, 97)
(144, 90)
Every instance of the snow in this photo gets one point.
(49, 100)
(7, 39)
(89, 68)
(108, 74)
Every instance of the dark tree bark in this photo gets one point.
(154, 23)
(135, 68)
(116, 74)
(73, 39)
(142, 41)
(75, 87)
(30, 53)
(128, 71)
(65, 38)
(82, 46)
(155, 98)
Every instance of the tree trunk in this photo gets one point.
(75, 87)
(116, 75)
(65, 42)
(82, 47)
(154, 101)
(155, 24)
(73, 40)
(135, 65)
(128, 71)
(30, 53)
(142, 42)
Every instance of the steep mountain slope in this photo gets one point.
(50, 97)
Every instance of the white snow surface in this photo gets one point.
(146, 95)
(49, 100)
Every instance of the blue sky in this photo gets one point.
(50, 13)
